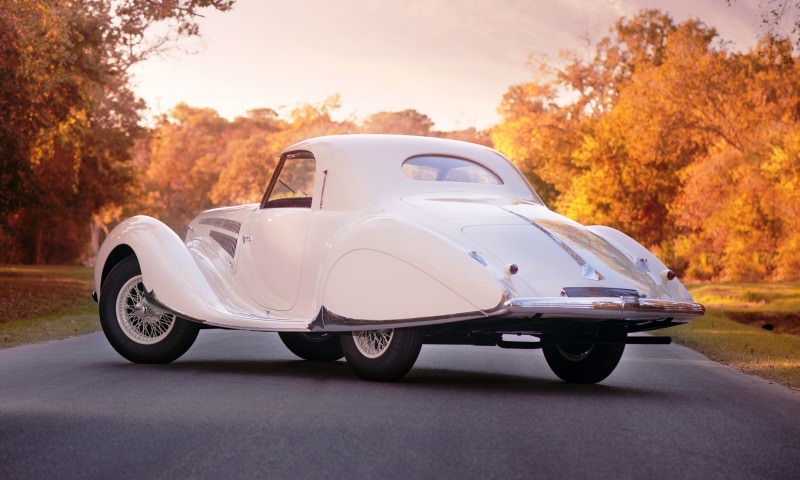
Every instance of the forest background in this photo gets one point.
(665, 133)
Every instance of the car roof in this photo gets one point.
(367, 140)
(361, 167)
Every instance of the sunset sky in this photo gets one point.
(451, 60)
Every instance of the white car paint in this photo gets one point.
(377, 248)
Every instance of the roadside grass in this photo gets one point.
(779, 297)
(40, 303)
(735, 332)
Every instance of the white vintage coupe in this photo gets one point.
(369, 246)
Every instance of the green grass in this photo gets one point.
(774, 355)
(783, 297)
(39, 303)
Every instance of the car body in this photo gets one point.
(375, 236)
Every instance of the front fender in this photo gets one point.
(167, 266)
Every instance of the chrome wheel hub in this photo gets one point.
(373, 343)
(140, 321)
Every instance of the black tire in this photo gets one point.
(142, 334)
(583, 363)
(388, 363)
(317, 347)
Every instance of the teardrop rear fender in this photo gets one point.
(389, 270)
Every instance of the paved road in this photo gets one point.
(238, 405)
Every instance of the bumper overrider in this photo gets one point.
(610, 308)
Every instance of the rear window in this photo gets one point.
(440, 168)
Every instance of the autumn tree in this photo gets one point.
(182, 163)
(471, 134)
(308, 120)
(64, 138)
(249, 157)
(630, 159)
(252, 156)
(781, 169)
(406, 122)
(412, 122)
(737, 208)
(194, 159)
(672, 138)
(539, 135)
(69, 118)
(544, 134)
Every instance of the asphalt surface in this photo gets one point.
(238, 405)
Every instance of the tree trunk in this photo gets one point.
(95, 233)
(38, 244)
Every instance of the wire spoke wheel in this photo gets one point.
(384, 355)
(139, 320)
(138, 330)
(373, 343)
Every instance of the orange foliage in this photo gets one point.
(194, 159)
(690, 148)
(664, 133)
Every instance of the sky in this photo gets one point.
(449, 59)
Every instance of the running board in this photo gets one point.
(216, 316)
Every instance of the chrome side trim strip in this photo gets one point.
(332, 322)
(337, 323)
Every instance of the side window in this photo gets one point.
(292, 184)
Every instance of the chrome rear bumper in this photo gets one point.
(612, 308)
